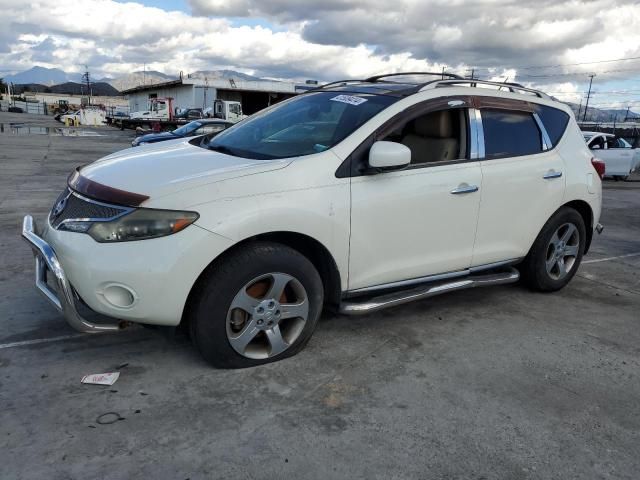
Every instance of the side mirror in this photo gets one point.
(389, 155)
(595, 147)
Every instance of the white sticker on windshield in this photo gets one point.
(351, 100)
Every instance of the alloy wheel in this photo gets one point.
(267, 315)
(562, 251)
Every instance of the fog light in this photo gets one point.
(119, 296)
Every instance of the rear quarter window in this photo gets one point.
(510, 134)
(555, 122)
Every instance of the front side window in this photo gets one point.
(434, 137)
(303, 125)
(597, 143)
(510, 134)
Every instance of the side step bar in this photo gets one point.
(373, 304)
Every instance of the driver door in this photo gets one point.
(419, 221)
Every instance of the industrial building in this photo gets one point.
(254, 95)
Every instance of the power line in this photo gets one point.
(529, 67)
(573, 74)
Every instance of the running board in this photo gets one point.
(373, 304)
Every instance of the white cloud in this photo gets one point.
(328, 40)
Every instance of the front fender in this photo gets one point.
(321, 213)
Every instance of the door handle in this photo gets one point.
(552, 174)
(464, 188)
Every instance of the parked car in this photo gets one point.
(620, 158)
(357, 196)
(191, 129)
(189, 114)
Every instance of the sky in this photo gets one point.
(545, 44)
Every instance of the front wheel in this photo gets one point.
(258, 305)
(556, 254)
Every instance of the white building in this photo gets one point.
(199, 93)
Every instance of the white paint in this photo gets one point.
(40, 340)
(607, 259)
(378, 228)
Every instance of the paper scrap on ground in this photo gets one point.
(350, 99)
(101, 378)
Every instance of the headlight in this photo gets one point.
(141, 224)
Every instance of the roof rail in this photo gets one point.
(375, 78)
(333, 84)
(512, 87)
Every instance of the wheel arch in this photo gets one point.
(585, 211)
(315, 251)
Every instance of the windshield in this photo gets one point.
(304, 125)
(186, 129)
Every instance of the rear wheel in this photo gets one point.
(259, 305)
(557, 252)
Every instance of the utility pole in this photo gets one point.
(206, 87)
(579, 109)
(626, 115)
(86, 78)
(586, 107)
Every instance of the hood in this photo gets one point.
(164, 168)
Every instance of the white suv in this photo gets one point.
(359, 195)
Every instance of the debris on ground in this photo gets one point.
(101, 378)
(109, 418)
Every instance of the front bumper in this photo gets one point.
(158, 274)
(63, 297)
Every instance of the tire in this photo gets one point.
(251, 333)
(556, 253)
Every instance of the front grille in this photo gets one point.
(77, 207)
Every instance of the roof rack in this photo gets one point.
(375, 78)
(512, 87)
(337, 82)
(453, 80)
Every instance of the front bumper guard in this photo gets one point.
(64, 298)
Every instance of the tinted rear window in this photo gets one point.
(555, 122)
(510, 134)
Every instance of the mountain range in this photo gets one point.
(54, 76)
(601, 115)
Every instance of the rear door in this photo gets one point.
(522, 178)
